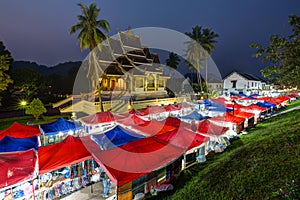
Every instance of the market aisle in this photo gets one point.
(85, 193)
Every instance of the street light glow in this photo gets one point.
(23, 103)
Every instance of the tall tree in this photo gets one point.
(27, 82)
(173, 60)
(282, 56)
(91, 36)
(195, 54)
(5, 62)
(35, 108)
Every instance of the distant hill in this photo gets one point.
(61, 68)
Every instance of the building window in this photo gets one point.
(139, 83)
(233, 84)
(252, 84)
(161, 83)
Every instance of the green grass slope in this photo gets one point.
(253, 167)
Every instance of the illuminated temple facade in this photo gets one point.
(130, 68)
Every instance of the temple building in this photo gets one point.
(130, 68)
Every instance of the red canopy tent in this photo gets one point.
(17, 167)
(229, 118)
(135, 159)
(155, 127)
(252, 107)
(17, 130)
(207, 128)
(245, 115)
(132, 119)
(183, 138)
(152, 110)
(171, 108)
(70, 151)
(100, 117)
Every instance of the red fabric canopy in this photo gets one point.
(171, 108)
(183, 138)
(220, 100)
(17, 167)
(242, 114)
(132, 120)
(228, 118)
(251, 107)
(100, 117)
(207, 128)
(17, 130)
(134, 159)
(70, 151)
(155, 127)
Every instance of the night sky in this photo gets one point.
(38, 30)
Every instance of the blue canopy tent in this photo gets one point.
(56, 131)
(60, 125)
(253, 95)
(194, 115)
(266, 104)
(242, 95)
(10, 144)
(115, 137)
(214, 106)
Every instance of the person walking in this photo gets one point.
(106, 186)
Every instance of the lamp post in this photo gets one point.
(23, 104)
(233, 102)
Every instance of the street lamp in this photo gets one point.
(233, 102)
(23, 104)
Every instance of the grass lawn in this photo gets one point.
(252, 167)
(291, 105)
(7, 122)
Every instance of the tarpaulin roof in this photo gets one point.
(100, 117)
(152, 110)
(220, 100)
(171, 108)
(70, 151)
(17, 130)
(242, 114)
(17, 167)
(284, 98)
(60, 125)
(135, 159)
(131, 120)
(207, 128)
(10, 144)
(183, 138)
(228, 118)
(250, 107)
(193, 115)
(214, 106)
(265, 104)
(115, 137)
(154, 127)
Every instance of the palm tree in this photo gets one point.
(200, 46)
(91, 36)
(173, 60)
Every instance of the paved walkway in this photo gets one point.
(288, 110)
(86, 194)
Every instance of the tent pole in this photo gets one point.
(33, 193)
(184, 159)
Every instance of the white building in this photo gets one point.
(238, 83)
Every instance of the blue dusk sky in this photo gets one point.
(38, 30)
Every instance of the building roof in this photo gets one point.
(246, 76)
(129, 39)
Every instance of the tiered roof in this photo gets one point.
(126, 53)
